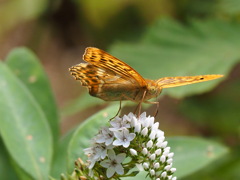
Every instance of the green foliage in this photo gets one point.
(191, 155)
(24, 128)
(26, 67)
(171, 49)
(10, 11)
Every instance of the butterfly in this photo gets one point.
(111, 79)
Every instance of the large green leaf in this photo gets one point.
(226, 167)
(59, 164)
(23, 126)
(190, 155)
(5, 165)
(81, 138)
(169, 48)
(217, 112)
(28, 69)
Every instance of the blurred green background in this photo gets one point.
(158, 38)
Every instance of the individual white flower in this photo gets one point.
(119, 124)
(113, 163)
(123, 138)
(92, 159)
(105, 136)
(129, 117)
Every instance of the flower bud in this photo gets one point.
(164, 174)
(144, 131)
(133, 152)
(144, 151)
(152, 172)
(153, 156)
(158, 151)
(163, 158)
(149, 144)
(145, 165)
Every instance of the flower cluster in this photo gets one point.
(127, 143)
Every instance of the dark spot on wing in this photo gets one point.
(94, 80)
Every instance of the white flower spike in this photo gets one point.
(128, 142)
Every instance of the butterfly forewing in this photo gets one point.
(168, 82)
(104, 60)
(107, 77)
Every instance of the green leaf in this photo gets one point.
(217, 112)
(26, 66)
(225, 168)
(23, 126)
(59, 164)
(192, 153)
(228, 7)
(169, 48)
(5, 165)
(86, 131)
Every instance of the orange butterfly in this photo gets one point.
(110, 79)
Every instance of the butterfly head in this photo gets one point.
(152, 89)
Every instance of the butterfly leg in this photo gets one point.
(139, 107)
(157, 106)
(120, 107)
